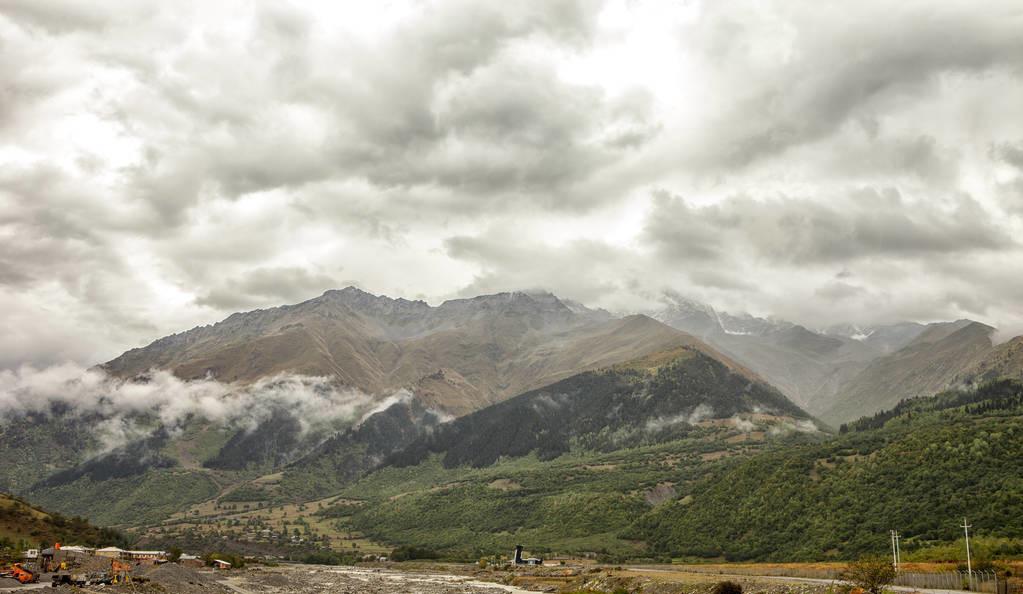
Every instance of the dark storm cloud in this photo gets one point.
(839, 67)
(163, 166)
(45, 228)
(443, 100)
(867, 223)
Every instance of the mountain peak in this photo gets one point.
(540, 301)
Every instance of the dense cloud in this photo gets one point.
(845, 229)
(161, 167)
(125, 410)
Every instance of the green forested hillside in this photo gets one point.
(581, 501)
(920, 472)
(25, 526)
(344, 457)
(794, 497)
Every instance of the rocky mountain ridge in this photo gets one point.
(488, 347)
(464, 354)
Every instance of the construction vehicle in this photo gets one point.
(119, 572)
(91, 578)
(21, 573)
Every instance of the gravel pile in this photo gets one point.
(168, 578)
(176, 578)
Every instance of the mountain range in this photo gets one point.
(465, 354)
(458, 391)
(458, 357)
(843, 372)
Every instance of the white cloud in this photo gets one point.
(161, 168)
(118, 404)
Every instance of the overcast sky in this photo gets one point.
(165, 164)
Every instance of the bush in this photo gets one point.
(871, 573)
(410, 553)
(727, 587)
(329, 558)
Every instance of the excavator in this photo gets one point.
(20, 573)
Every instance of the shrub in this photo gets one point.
(727, 587)
(407, 553)
(871, 573)
(329, 558)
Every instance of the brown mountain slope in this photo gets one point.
(490, 347)
(938, 358)
(1004, 360)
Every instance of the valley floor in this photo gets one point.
(458, 579)
(469, 580)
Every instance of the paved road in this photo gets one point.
(790, 580)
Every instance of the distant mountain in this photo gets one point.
(883, 339)
(807, 365)
(463, 354)
(839, 372)
(657, 398)
(940, 357)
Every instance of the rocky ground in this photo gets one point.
(293, 579)
(309, 580)
(465, 580)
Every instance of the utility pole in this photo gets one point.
(898, 551)
(969, 564)
(895, 551)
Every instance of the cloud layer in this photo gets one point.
(125, 410)
(161, 168)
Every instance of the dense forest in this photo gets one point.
(799, 498)
(997, 396)
(840, 498)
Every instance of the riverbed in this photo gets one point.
(351, 580)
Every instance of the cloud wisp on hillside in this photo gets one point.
(125, 410)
